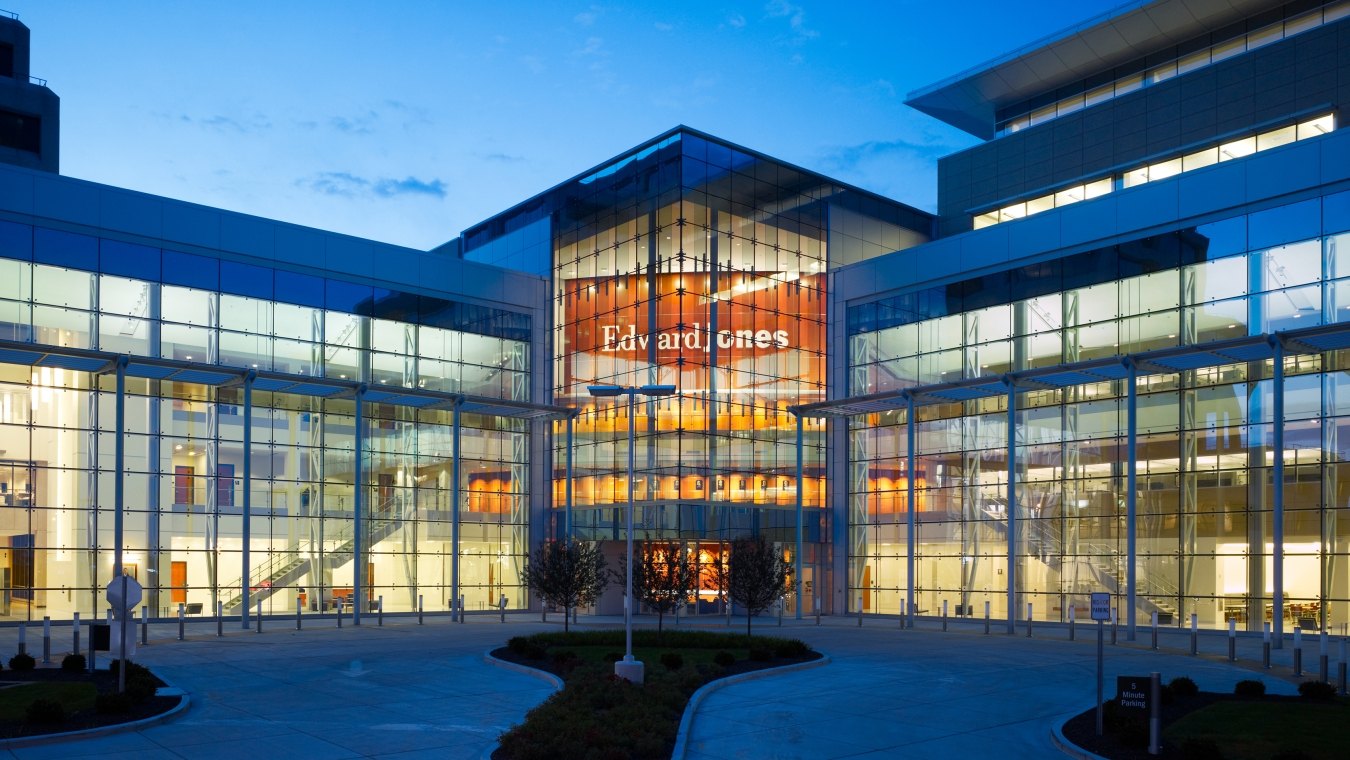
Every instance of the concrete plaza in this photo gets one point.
(410, 691)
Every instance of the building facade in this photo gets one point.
(1113, 360)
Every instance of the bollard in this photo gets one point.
(220, 619)
(145, 626)
(1195, 632)
(944, 615)
(860, 600)
(1115, 626)
(75, 625)
(902, 614)
(817, 606)
(1323, 664)
(23, 639)
(1232, 639)
(180, 621)
(47, 642)
(1298, 652)
(1340, 667)
(1072, 633)
(461, 608)
(379, 609)
(502, 603)
(1265, 647)
(419, 609)
(986, 617)
(1029, 615)
(259, 616)
(297, 613)
(1153, 623)
(339, 613)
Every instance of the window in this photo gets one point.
(20, 131)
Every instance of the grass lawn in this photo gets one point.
(1254, 730)
(598, 715)
(14, 700)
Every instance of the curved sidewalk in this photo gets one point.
(929, 694)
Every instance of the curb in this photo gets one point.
(1062, 743)
(687, 722)
(90, 733)
(542, 675)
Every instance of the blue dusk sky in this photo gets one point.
(408, 122)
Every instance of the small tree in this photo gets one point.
(567, 574)
(663, 579)
(719, 573)
(758, 576)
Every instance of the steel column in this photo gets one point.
(567, 477)
(1131, 493)
(911, 541)
(248, 493)
(800, 483)
(456, 611)
(1277, 492)
(358, 566)
(119, 464)
(1011, 511)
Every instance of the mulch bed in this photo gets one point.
(1082, 729)
(736, 668)
(104, 681)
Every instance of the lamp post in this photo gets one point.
(628, 668)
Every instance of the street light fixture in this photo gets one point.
(628, 668)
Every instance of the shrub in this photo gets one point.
(1249, 688)
(22, 662)
(141, 687)
(1316, 690)
(112, 704)
(1291, 754)
(760, 654)
(563, 656)
(724, 658)
(74, 662)
(613, 656)
(45, 712)
(1129, 726)
(517, 644)
(1182, 686)
(1200, 749)
(533, 651)
(672, 660)
(790, 649)
(133, 669)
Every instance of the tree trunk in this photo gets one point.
(747, 622)
(567, 619)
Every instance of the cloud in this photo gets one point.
(736, 21)
(850, 157)
(588, 17)
(360, 124)
(349, 185)
(662, 26)
(595, 46)
(388, 113)
(796, 18)
(222, 123)
(503, 158)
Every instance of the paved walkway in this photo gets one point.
(409, 691)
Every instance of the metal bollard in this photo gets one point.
(297, 613)
(1298, 651)
(1153, 624)
(75, 624)
(502, 604)
(817, 606)
(461, 608)
(1195, 633)
(23, 639)
(259, 616)
(1232, 639)
(860, 600)
(180, 621)
(379, 609)
(1029, 616)
(1072, 633)
(220, 619)
(419, 609)
(1115, 625)
(1155, 713)
(944, 615)
(1340, 667)
(986, 617)
(47, 641)
(1265, 647)
(339, 613)
(145, 626)
(1323, 664)
(902, 614)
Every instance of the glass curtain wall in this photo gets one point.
(185, 456)
(1205, 442)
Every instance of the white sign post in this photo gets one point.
(1101, 612)
(124, 593)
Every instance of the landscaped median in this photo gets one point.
(46, 703)
(1247, 724)
(598, 715)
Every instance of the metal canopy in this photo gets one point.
(150, 368)
(1311, 340)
